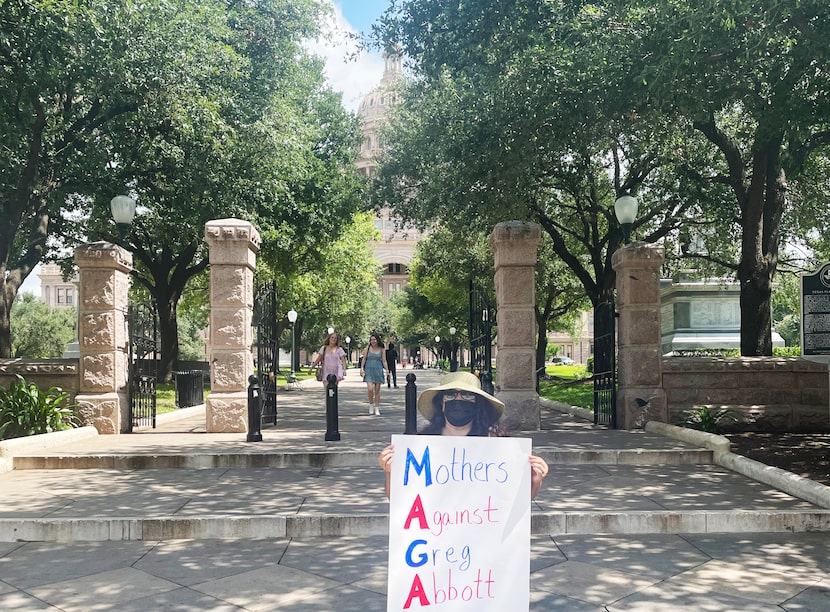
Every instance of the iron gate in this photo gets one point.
(142, 322)
(605, 365)
(482, 316)
(267, 352)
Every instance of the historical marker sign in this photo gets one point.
(815, 312)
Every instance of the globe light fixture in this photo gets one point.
(625, 209)
(292, 318)
(122, 208)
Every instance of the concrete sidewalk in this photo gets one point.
(178, 519)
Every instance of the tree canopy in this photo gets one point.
(199, 110)
(548, 111)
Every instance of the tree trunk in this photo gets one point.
(168, 338)
(761, 223)
(756, 324)
(6, 300)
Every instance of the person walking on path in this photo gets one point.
(391, 360)
(333, 359)
(372, 368)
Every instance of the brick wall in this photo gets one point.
(766, 393)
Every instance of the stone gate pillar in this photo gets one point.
(233, 247)
(103, 395)
(514, 246)
(640, 395)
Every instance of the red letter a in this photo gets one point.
(417, 511)
(417, 590)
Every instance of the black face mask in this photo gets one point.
(459, 413)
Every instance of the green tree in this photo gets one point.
(336, 287)
(40, 331)
(749, 78)
(522, 94)
(512, 113)
(70, 71)
(200, 110)
(257, 137)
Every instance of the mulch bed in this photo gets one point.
(805, 454)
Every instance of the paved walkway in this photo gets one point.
(177, 519)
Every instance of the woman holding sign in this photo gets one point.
(458, 407)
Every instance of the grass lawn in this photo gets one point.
(571, 384)
(166, 392)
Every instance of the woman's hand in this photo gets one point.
(538, 471)
(385, 458)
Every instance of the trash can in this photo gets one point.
(189, 388)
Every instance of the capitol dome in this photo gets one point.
(373, 108)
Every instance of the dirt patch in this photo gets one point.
(805, 454)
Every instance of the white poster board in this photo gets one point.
(459, 524)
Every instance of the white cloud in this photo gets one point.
(353, 76)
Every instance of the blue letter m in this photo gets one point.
(419, 467)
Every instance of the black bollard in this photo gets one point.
(411, 411)
(254, 410)
(332, 425)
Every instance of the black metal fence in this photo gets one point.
(482, 316)
(142, 321)
(605, 365)
(266, 324)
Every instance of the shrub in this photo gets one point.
(26, 410)
(705, 419)
(786, 351)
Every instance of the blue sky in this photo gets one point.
(356, 77)
(362, 13)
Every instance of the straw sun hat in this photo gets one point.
(463, 381)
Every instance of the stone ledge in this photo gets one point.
(374, 524)
(692, 436)
(40, 442)
(792, 484)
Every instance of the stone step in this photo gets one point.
(315, 525)
(143, 461)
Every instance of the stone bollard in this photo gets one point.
(514, 246)
(640, 394)
(103, 394)
(233, 246)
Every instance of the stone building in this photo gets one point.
(396, 247)
(54, 290)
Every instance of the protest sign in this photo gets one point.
(459, 524)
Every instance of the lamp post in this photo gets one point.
(122, 208)
(453, 360)
(625, 209)
(437, 352)
(292, 318)
(349, 348)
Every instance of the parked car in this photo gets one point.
(562, 361)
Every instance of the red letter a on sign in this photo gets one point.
(417, 590)
(417, 511)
